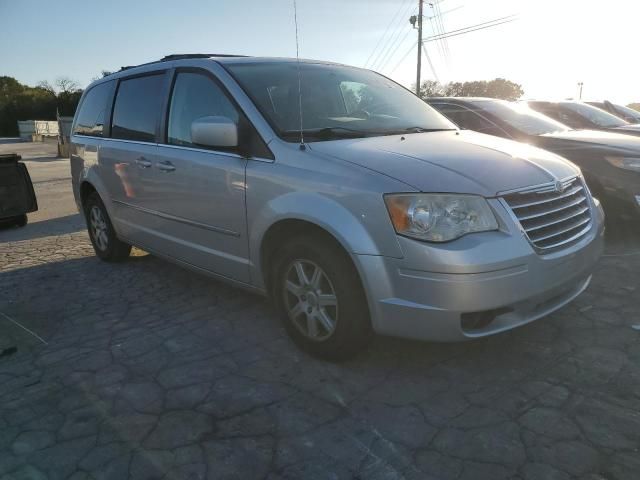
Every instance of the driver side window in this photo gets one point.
(194, 96)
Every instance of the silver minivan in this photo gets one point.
(350, 202)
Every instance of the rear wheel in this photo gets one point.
(101, 232)
(320, 298)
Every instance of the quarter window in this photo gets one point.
(137, 108)
(195, 96)
(91, 116)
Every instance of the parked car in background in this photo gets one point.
(627, 114)
(582, 116)
(386, 218)
(610, 162)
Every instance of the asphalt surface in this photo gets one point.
(143, 370)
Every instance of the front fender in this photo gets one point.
(328, 214)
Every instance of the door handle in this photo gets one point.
(143, 162)
(165, 166)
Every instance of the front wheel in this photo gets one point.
(101, 232)
(318, 293)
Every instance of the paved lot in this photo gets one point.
(146, 371)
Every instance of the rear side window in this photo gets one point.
(195, 96)
(93, 111)
(137, 108)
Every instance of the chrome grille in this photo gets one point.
(554, 215)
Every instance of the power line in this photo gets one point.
(438, 29)
(472, 28)
(436, 32)
(391, 42)
(398, 45)
(395, 23)
(403, 58)
(433, 70)
(446, 43)
(385, 31)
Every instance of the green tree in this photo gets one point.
(504, 89)
(497, 88)
(431, 88)
(22, 102)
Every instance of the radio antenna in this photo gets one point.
(295, 19)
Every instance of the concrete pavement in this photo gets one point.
(143, 370)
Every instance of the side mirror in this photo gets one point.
(214, 132)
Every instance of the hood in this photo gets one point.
(631, 128)
(452, 161)
(597, 138)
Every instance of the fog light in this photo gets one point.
(472, 321)
(638, 199)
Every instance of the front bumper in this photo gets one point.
(427, 294)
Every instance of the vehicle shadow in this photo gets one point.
(622, 235)
(46, 228)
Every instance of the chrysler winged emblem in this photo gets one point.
(559, 187)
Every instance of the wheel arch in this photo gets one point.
(86, 189)
(280, 232)
(312, 214)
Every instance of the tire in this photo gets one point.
(22, 220)
(327, 318)
(101, 232)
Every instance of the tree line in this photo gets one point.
(22, 102)
(497, 88)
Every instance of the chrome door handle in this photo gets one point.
(165, 166)
(143, 162)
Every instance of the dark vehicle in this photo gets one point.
(610, 162)
(17, 197)
(582, 116)
(627, 114)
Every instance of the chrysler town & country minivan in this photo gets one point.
(350, 202)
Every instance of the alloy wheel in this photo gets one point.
(310, 300)
(98, 228)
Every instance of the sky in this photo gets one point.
(553, 44)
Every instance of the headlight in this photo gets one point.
(628, 163)
(439, 217)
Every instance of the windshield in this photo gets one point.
(629, 112)
(337, 101)
(594, 114)
(522, 118)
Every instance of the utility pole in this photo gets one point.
(580, 84)
(420, 4)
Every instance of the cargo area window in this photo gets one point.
(91, 116)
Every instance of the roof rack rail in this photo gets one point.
(181, 56)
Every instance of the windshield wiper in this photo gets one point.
(327, 133)
(423, 130)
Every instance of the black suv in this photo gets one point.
(610, 162)
(582, 116)
(627, 114)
